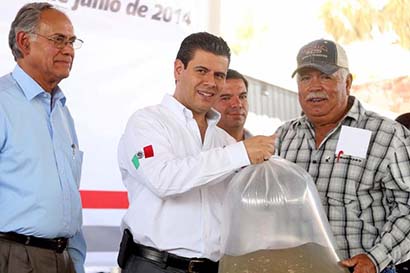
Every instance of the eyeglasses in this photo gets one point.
(60, 41)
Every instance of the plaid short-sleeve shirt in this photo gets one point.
(367, 201)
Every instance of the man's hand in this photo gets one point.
(260, 148)
(360, 263)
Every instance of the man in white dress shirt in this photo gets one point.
(176, 163)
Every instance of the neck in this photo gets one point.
(37, 77)
(328, 123)
(237, 133)
(321, 131)
(202, 124)
(323, 127)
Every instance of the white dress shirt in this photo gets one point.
(176, 195)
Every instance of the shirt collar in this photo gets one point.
(184, 113)
(213, 116)
(246, 134)
(356, 111)
(31, 88)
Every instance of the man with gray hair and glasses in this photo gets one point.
(40, 160)
(359, 161)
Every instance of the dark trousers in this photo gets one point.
(18, 258)
(390, 269)
(403, 267)
(137, 264)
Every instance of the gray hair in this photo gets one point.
(26, 20)
(342, 73)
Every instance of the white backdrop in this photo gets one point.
(126, 63)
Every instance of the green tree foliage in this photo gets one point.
(244, 34)
(358, 20)
(247, 33)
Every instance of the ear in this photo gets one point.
(178, 68)
(349, 80)
(23, 42)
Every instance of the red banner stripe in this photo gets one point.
(104, 199)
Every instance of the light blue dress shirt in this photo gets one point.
(40, 164)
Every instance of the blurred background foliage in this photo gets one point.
(359, 20)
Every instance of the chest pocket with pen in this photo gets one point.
(347, 174)
(74, 158)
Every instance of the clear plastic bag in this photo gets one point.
(273, 222)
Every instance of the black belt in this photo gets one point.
(57, 244)
(165, 259)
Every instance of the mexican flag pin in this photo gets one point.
(146, 152)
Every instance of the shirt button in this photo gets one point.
(314, 161)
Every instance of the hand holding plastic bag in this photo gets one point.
(273, 222)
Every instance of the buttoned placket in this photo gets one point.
(58, 126)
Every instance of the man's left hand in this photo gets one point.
(360, 263)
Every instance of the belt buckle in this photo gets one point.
(191, 265)
(61, 245)
(28, 239)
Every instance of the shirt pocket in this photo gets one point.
(75, 161)
(78, 162)
(345, 180)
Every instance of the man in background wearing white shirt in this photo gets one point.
(233, 106)
(176, 163)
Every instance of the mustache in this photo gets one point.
(316, 95)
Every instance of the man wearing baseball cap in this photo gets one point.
(359, 160)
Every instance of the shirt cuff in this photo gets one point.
(77, 250)
(379, 257)
(238, 154)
